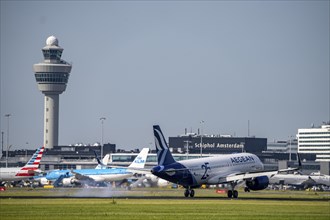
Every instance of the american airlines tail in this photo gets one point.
(32, 165)
(164, 155)
(26, 171)
(34, 161)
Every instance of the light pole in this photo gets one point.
(7, 116)
(7, 155)
(202, 123)
(187, 153)
(2, 143)
(102, 121)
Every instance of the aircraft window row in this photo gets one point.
(52, 78)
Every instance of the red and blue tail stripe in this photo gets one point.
(32, 164)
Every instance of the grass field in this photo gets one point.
(292, 205)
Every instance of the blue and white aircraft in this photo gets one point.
(232, 169)
(98, 175)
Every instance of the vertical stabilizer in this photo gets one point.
(140, 159)
(102, 164)
(105, 159)
(32, 165)
(164, 155)
(34, 161)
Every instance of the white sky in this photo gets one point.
(172, 63)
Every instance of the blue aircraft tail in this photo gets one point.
(164, 155)
(101, 164)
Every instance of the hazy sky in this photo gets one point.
(172, 63)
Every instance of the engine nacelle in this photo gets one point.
(257, 183)
(68, 181)
(44, 181)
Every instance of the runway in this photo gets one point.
(164, 198)
(157, 194)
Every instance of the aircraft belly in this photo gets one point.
(116, 177)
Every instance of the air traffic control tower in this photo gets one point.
(52, 76)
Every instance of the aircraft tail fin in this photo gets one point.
(164, 156)
(299, 161)
(105, 159)
(140, 159)
(102, 164)
(34, 161)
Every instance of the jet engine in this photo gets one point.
(68, 181)
(257, 183)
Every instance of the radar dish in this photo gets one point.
(52, 41)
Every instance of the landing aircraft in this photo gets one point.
(232, 169)
(25, 172)
(92, 176)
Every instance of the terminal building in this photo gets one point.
(315, 141)
(216, 144)
(60, 157)
(274, 155)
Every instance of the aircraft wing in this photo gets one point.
(245, 176)
(82, 177)
(136, 183)
(38, 172)
(133, 169)
(139, 171)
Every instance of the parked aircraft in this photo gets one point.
(150, 180)
(49, 177)
(94, 176)
(25, 172)
(232, 168)
(299, 180)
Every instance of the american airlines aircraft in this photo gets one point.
(26, 172)
(232, 169)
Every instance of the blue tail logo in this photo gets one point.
(164, 155)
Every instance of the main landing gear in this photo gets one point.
(232, 194)
(189, 192)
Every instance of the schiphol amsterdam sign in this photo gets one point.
(218, 145)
